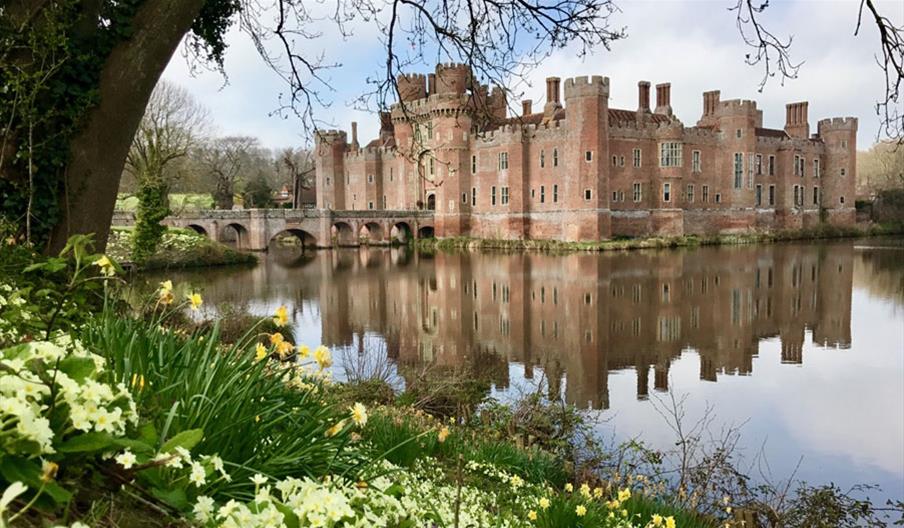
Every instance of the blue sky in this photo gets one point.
(692, 44)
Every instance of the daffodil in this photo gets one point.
(195, 300)
(543, 503)
(656, 520)
(260, 352)
(669, 522)
(284, 349)
(106, 266)
(276, 338)
(580, 510)
(585, 490)
(335, 429)
(532, 515)
(323, 357)
(282, 317)
(516, 482)
(443, 434)
(624, 495)
(304, 351)
(165, 293)
(359, 414)
(569, 487)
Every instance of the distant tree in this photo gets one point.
(881, 168)
(258, 193)
(170, 128)
(299, 165)
(224, 161)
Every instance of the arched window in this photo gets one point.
(431, 202)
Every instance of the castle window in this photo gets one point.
(815, 195)
(841, 200)
(695, 161)
(588, 194)
(638, 192)
(706, 193)
(370, 178)
(797, 199)
(797, 166)
(758, 164)
(759, 195)
(370, 205)
(738, 133)
(614, 161)
(429, 130)
(533, 193)
(327, 180)
(738, 169)
(390, 173)
(384, 201)
(816, 168)
(555, 157)
(621, 161)
(588, 155)
(621, 196)
(614, 196)
(670, 154)
(464, 198)
(690, 193)
(555, 193)
(801, 162)
(493, 195)
(503, 161)
(843, 172)
(666, 192)
(473, 164)
(844, 143)
(772, 195)
(637, 158)
(431, 166)
(718, 197)
(473, 196)
(542, 159)
(771, 165)
(542, 194)
(505, 195)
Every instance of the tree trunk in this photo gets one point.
(98, 151)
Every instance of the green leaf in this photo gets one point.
(147, 433)
(174, 497)
(86, 443)
(133, 444)
(186, 439)
(77, 368)
(29, 472)
(289, 517)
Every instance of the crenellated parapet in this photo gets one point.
(412, 86)
(452, 78)
(834, 124)
(593, 86)
(330, 136)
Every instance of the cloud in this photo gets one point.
(692, 44)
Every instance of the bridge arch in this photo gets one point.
(234, 233)
(343, 234)
(371, 233)
(401, 232)
(198, 229)
(306, 239)
(426, 232)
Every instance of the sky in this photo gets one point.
(694, 45)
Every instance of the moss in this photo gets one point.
(623, 244)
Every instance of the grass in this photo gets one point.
(178, 202)
(621, 244)
(180, 248)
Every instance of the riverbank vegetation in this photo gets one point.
(178, 248)
(821, 232)
(121, 413)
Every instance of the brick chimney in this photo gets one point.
(663, 98)
(354, 135)
(710, 102)
(796, 121)
(526, 107)
(552, 90)
(643, 96)
(431, 83)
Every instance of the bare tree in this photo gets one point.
(171, 126)
(880, 168)
(299, 163)
(774, 55)
(224, 161)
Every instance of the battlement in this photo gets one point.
(330, 136)
(585, 86)
(736, 106)
(452, 78)
(836, 124)
(412, 86)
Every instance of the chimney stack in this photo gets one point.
(663, 98)
(643, 96)
(431, 83)
(526, 107)
(796, 120)
(354, 134)
(552, 90)
(710, 102)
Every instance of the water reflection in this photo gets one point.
(610, 330)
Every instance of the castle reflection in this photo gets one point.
(575, 317)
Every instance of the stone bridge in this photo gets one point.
(254, 229)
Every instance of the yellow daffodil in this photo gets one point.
(195, 300)
(282, 317)
(443, 434)
(624, 495)
(543, 503)
(323, 357)
(166, 286)
(585, 490)
(569, 487)
(276, 338)
(284, 349)
(260, 352)
(580, 510)
(304, 351)
(597, 492)
(359, 414)
(669, 522)
(516, 482)
(106, 266)
(656, 520)
(532, 515)
(334, 430)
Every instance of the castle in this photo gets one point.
(583, 171)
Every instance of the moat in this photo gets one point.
(801, 345)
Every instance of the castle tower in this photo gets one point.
(329, 158)
(586, 185)
(839, 135)
(451, 121)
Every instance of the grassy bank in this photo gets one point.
(819, 233)
(180, 248)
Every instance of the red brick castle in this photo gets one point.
(584, 171)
